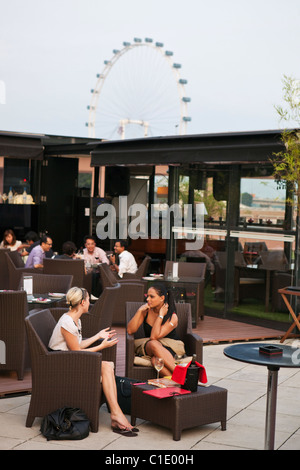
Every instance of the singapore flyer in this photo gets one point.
(139, 93)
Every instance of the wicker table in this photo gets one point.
(34, 304)
(207, 405)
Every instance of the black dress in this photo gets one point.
(148, 329)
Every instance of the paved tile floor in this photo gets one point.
(246, 385)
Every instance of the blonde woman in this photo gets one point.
(67, 336)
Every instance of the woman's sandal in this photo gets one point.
(125, 432)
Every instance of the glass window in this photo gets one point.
(262, 201)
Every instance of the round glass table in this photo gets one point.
(273, 360)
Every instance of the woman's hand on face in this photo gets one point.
(144, 308)
(164, 310)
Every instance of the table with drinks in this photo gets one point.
(44, 300)
(37, 300)
(179, 411)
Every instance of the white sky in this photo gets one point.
(233, 53)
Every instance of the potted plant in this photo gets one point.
(286, 163)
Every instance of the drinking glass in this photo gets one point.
(158, 364)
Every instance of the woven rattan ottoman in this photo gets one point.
(207, 405)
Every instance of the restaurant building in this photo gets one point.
(63, 181)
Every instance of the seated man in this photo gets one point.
(30, 238)
(92, 253)
(35, 241)
(38, 253)
(127, 263)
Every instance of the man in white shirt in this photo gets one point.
(127, 263)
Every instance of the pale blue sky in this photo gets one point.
(233, 54)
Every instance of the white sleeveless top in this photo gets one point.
(57, 341)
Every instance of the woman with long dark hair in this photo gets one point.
(159, 321)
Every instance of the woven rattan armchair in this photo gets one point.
(4, 277)
(61, 378)
(187, 269)
(15, 273)
(13, 310)
(247, 283)
(101, 313)
(191, 270)
(73, 267)
(16, 258)
(141, 271)
(45, 283)
(131, 291)
(109, 277)
(193, 343)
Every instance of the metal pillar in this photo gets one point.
(271, 408)
(232, 216)
(173, 198)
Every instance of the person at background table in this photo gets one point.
(159, 320)
(127, 263)
(92, 254)
(67, 336)
(10, 241)
(38, 253)
(30, 239)
(68, 251)
(37, 241)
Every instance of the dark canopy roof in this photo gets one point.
(207, 149)
(20, 145)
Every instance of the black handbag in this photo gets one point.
(124, 385)
(65, 423)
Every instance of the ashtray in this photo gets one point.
(271, 350)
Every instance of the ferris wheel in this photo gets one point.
(139, 93)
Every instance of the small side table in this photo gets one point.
(250, 353)
(207, 405)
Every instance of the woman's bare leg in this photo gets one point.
(155, 349)
(118, 419)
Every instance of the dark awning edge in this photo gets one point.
(21, 147)
(233, 148)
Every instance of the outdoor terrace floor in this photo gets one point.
(246, 385)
